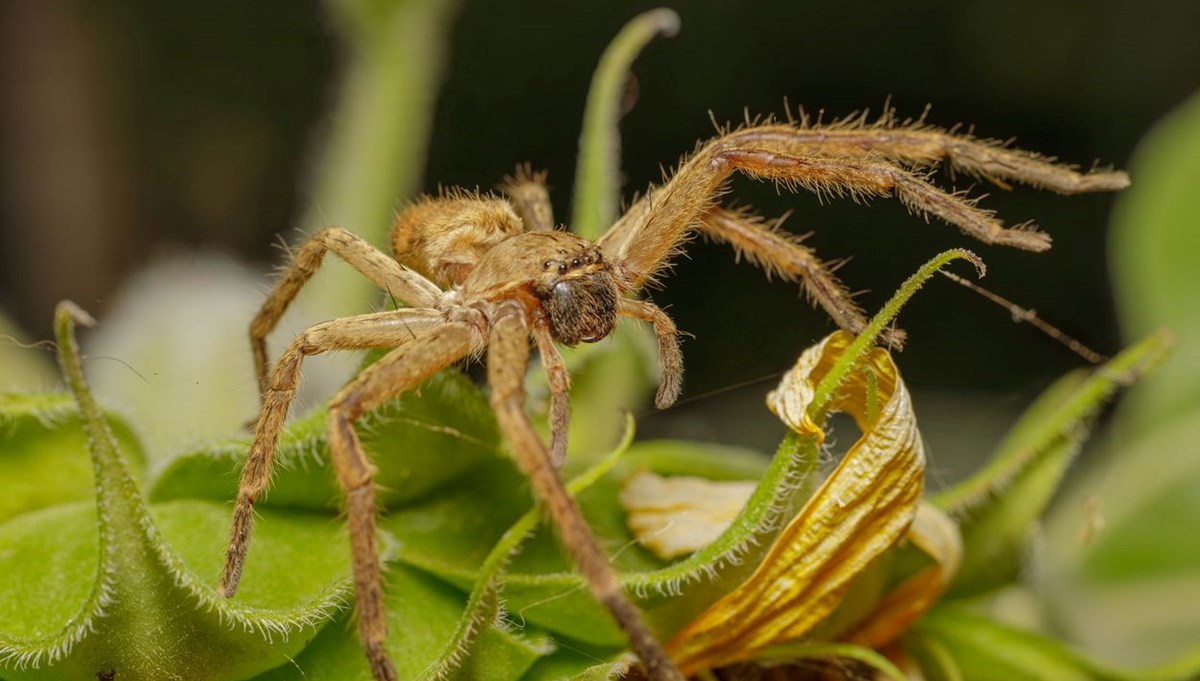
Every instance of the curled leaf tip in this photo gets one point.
(68, 310)
(980, 268)
(597, 175)
(665, 20)
(791, 399)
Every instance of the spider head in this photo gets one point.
(578, 294)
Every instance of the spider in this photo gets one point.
(487, 272)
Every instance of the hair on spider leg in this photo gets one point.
(86, 359)
(709, 394)
(45, 345)
(1030, 316)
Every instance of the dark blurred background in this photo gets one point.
(134, 128)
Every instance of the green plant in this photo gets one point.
(137, 603)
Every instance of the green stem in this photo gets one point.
(844, 364)
(118, 501)
(378, 134)
(597, 175)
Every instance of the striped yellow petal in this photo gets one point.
(936, 534)
(861, 510)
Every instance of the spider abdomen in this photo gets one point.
(445, 238)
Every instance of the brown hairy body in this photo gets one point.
(489, 273)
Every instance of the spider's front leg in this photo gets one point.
(848, 159)
(508, 355)
(560, 398)
(836, 175)
(399, 370)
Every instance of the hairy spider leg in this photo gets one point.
(530, 196)
(508, 355)
(848, 157)
(399, 281)
(399, 370)
(560, 388)
(376, 330)
(919, 144)
(781, 253)
(669, 357)
(863, 177)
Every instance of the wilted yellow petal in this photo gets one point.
(678, 515)
(861, 510)
(937, 535)
(795, 392)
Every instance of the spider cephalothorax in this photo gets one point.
(570, 283)
(488, 273)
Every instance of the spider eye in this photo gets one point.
(575, 262)
(562, 268)
(546, 265)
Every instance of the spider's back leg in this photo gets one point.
(528, 192)
(400, 282)
(376, 330)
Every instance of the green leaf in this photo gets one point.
(997, 507)
(955, 643)
(43, 452)
(75, 607)
(419, 441)
(48, 595)
(1154, 242)
(422, 614)
(450, 535)
(1127, 595)
(597, 174)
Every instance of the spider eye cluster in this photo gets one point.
(564, 266)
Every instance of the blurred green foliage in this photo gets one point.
(1127, 593)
